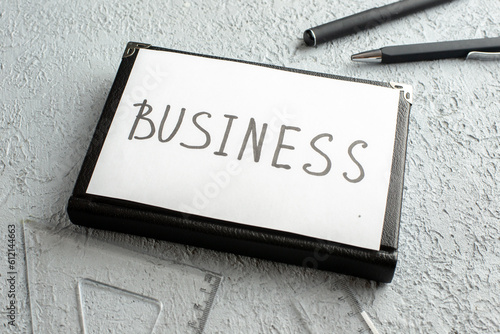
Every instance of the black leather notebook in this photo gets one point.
(277, 163)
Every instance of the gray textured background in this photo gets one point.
(58, 60)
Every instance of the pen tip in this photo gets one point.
(373, 56)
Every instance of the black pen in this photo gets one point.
(429, 51)
(365, 20)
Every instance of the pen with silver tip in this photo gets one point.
(428, 51)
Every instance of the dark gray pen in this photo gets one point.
(365, 20)
(471, 48)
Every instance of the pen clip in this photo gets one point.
(406, 89)
(477, 55)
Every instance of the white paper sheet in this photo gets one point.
(343, 130)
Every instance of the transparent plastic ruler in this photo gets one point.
(79, 284)
(332, 308)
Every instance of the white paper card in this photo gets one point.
(252, 145)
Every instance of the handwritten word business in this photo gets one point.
(146, 109)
